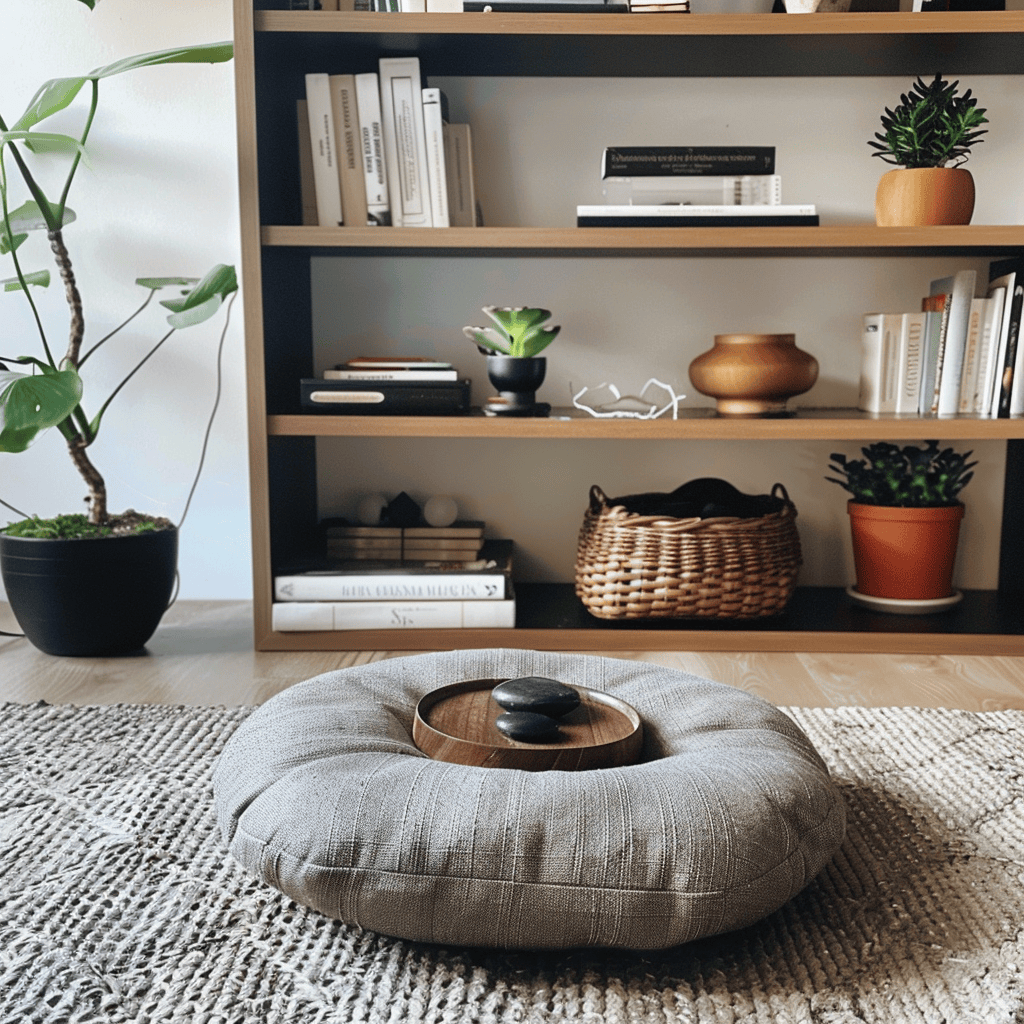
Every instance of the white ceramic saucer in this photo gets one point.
(896, 606)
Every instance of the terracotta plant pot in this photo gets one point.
(905, 553)
(753, 374)
(918, 196)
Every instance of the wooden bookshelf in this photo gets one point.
(275, 48)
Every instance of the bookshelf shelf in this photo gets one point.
(835, 240)
(693, 425)
(274, 49)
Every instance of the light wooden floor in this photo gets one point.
(202, 654)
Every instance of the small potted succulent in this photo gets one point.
(927, 137)
(514, 365)
(905, 517)
(90, 584)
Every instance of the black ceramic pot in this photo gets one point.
(94, 597)
(517, 379)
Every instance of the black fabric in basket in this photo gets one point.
(704, 498)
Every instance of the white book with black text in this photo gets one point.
(322, 136)
(405, 150)
(433, 130)
(371, 136)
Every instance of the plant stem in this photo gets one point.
(107, 337)
(76, 328)
(97, 499)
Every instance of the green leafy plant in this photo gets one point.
(909, 477)
(931, 127)
(520, 331)
(50, 394)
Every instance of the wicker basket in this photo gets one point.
(631, 566)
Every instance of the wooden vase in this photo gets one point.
(753, 374)
(918, 196)
(905, 553)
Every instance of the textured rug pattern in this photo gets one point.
(119, 904)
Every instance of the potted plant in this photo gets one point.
(514, 366)
(94, 584)
(928, 136)
(904, 517)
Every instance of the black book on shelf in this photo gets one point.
(543, 6)
(396, 398)
(676, 161)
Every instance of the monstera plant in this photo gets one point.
(47, 389)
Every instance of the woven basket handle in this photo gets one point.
(783, 494)
(598, 499)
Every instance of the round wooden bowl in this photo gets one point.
(455, 723)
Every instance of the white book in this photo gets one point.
(391, 586)
(458, 164)
(880, 343)
(395, 375)
(932, 341)
(325, 159)
(437, 179)
(405, 150)
(972, 356)
(910, 363)
(982, 399)
(350, 164)
(303, 616)
(371, 135)
(961, 287)
(745, 190)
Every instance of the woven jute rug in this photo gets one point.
(119, 903)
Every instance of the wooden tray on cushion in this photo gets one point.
(455, 723)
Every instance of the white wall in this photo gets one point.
(538, 144)
(159, 199)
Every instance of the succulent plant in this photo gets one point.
(932, 126)
(520, 331)
(909, 477)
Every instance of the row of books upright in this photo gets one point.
(381, 577)
(378, 149)
(459, 6)
(958, 355)
(684, 186)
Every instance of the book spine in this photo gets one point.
(392, 375)
(956, 342)
(981, 402)
(705, 221)
(748, 190)
(647, 161)
(880, 341)
(940, 356)
(972, 356)
(433, 132)
(932, 330)
(325, 163)
(910, 365)
(1013, 351)
(371, 134)
(397, 587)
(404, 141)
(458, 162)
(350, 167)
(302, 616)
(307, 190)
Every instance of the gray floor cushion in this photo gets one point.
(322, 794)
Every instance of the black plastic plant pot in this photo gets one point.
(95, 597)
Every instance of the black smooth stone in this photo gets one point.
(535, 693)
(526, 726)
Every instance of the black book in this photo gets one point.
(542, 6)
(753, 220)
(677, 161)
(395, 398)
(1013, 271)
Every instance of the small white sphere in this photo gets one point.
(440, 511)
(369, 509)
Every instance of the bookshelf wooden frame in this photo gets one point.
(274, 49)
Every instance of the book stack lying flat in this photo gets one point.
(659, 6)
(460, 542)
(399, 386)
(397, 594)
(692, 186)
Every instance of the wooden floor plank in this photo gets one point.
(202, 654)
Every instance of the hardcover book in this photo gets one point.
(307, 616)
(322, 135)
(696, 216)
(371, 136)
(405, 151)
(633, 161)
(350, 164)
(396, 398)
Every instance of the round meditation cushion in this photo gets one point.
(322, 793)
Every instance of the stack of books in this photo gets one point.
(378, 149)
(957, 355)
(460, 542)
(400, 385)
(660, 186)
(359, 593)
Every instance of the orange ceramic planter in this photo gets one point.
(905, 553)
(918, 196)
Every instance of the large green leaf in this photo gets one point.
(29, 217)
(156, 283)
(204, 300)
(57, 93)
(30, 404)
(39, 277)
